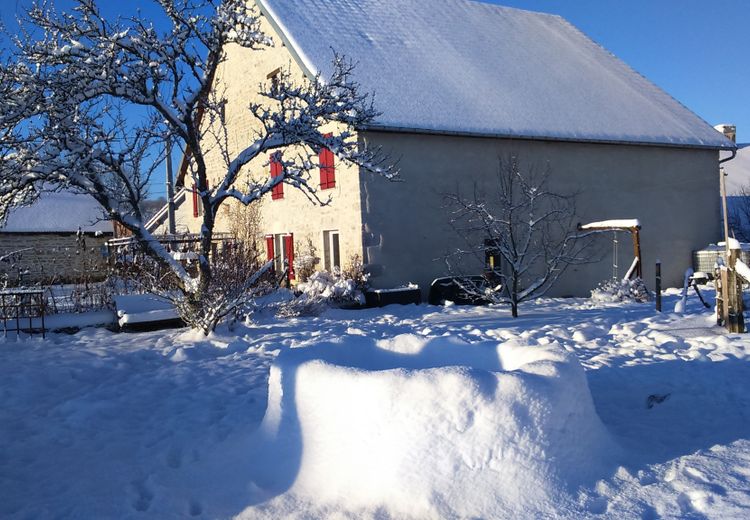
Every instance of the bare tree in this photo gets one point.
(70, 88)
(522, 233)
(739, 214)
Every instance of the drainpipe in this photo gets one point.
(723, 177)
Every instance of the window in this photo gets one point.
(327, 168)
(492, 260)
(331, 251)
(223, 111)
(274, 77)
(270, 248)
(280, 248)
(197, 203)
(276, 170)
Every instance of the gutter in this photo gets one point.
(734, 154)
(521, 137)
(723, 183)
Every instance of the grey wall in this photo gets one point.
(673, 191)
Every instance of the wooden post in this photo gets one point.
(735, 321)
(636, 233)
(658, 286)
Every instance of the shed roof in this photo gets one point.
(468, 67)
(58, 212)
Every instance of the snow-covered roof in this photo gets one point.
(738, 171)
(620, 223)
(58, 212)
(462, 66)
(162, 215)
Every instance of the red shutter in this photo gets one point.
(276, 170)
(195, 202)
(269, 247)
(289, 242)
(327, 168)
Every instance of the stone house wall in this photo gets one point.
(52, 257)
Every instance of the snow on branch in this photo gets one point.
(523, 235)
(295, 115)
(88, 102)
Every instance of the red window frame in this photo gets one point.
(277, 192)
(326, 159)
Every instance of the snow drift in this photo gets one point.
(435, 427)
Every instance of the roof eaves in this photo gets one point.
(499, 135)
(288, 40)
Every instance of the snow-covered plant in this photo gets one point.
(85, 100)
(332, 287)
(306, 260)
(355, 270)
(616, 290)
(527, 230)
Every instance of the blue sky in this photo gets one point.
(696, 50)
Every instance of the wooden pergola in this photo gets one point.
(631, 226)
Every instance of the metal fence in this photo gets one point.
(23, 310)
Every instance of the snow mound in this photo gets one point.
(429, 427)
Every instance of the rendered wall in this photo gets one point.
(674, 193)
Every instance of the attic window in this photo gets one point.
(275, 78)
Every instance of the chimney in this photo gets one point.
(729, 131)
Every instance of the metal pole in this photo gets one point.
(658, 286)
(170, 192)
(723, 178)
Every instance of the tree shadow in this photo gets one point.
(662, 411)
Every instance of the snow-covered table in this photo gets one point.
(133, 309)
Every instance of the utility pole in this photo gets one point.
(170, 191)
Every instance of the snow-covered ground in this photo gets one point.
(168, 424)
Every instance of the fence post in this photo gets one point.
(733, 292)
(658, 286)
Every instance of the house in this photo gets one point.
(57, 239)
(461, 83)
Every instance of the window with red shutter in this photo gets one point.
(289, 246)
(327, 168)
(269, 248)
(195, 202)
(276, 170)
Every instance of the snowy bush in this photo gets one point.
(332, 287)
(612, 291)
(323, 289)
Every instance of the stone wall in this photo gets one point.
(51, 257)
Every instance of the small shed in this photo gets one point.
(57, 239)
